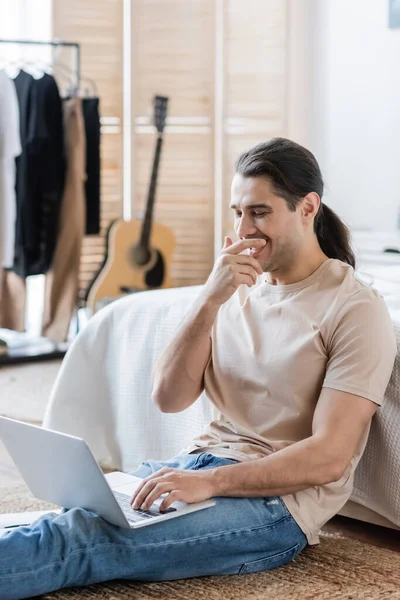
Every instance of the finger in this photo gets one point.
(170, 499)
(247, 270)
(241, 245)
(136, 493)
(159, 490)
(228, 242)
(142, 497)
(151, 477)
(143, 494)
(249, 260)
(247, 280)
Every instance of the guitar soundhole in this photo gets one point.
(140, 255)
(155, 277)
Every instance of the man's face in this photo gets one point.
(259, 213)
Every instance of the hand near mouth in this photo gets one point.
(232, 269)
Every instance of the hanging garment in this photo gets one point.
(12, 301)
(53, 165)
(10, 148)
(32, 130)
(40, 173)
(62, 280)
(90, 107)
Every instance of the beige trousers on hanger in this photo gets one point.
(62, 280)
(12, 301)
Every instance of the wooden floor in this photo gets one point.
(380, 536)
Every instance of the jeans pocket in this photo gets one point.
(270, 562)
(287, 513)
(276, 508)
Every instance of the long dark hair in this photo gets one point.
(294, 172)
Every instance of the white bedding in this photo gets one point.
(103, 390)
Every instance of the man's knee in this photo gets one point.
(78, 523)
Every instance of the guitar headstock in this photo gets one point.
(160, 112)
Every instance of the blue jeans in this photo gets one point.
(78, 547)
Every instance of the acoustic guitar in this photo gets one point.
(139, 253)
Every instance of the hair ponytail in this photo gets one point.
(333, 235)
(294, 172)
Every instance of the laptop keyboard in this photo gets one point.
(138, 514)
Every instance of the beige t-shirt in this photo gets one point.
(273, 348)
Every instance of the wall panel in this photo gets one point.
(97, 26)
(173, 51)
(174, 54)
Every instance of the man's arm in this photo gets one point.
(339, 422)
(178, 377)
(179, 373)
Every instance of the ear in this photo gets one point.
(310, 205)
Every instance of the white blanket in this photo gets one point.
(103, 394)
(103, 390)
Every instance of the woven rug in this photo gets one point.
(339, 568)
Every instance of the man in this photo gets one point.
(295, 354)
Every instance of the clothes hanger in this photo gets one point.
(86, 91)
(14, 67)
(11, 67)
(33, 68)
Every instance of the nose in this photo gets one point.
(245, 227)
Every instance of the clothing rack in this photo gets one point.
(74, 45)
(54, 351)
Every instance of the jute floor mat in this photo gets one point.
(338, 568)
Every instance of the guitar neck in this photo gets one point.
(148, 218)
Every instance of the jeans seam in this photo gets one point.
(293, 550)
(87, 549)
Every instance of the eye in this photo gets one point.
(255, 214)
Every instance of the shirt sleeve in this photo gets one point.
(362, 348)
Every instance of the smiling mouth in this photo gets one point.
(257, 251)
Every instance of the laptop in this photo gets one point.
(61, 469)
